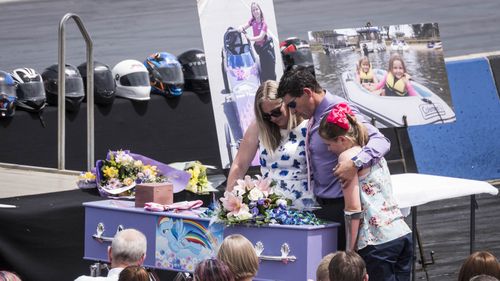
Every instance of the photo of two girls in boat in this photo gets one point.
(397, 86)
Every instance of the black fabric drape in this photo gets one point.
(167, 130)
(42, 239)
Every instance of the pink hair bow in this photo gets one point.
(338, 115)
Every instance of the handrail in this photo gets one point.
(61, 129)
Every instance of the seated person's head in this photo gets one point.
(347, 266)
(128, 248)
(8, 276)
(137, 273)
(479, 263)
(322, 270)
(239, 255)
(483, 277)
(212, 270)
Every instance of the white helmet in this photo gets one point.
(132, 80)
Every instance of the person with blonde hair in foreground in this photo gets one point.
(239, 255)
(322, 273)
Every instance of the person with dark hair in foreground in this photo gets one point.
(477, 263)
(212, 270)
(137, 273)
(347, 266)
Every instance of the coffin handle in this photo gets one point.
(100, 231)
(285, 251)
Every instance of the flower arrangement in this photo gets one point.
(120, 172)
(86, 180)
(198, 183)
(254, 201)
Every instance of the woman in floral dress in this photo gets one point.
(279, 136)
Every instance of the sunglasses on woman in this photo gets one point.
(274, 113)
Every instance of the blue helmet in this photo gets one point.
(7, 95)
(165, 74)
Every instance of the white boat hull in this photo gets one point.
(400, 46)
(389, 111)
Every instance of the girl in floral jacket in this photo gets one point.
(377, 229)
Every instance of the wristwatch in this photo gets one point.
(357, 162)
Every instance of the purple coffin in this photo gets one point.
(306, 243)
(175, 241)
(178, 241)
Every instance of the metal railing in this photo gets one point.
(61, 141)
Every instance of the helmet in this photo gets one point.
(30, 91)
(74, 86)
(295, 51)
(7, 95)
(194, 67)
(104, 84)
(131, 80)
(165, 74)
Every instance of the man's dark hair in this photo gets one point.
(295, 79)
(347, 266)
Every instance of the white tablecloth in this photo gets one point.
(416, 189)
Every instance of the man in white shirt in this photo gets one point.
(128, 248)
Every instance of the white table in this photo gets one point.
(411, 190)
(417, 189)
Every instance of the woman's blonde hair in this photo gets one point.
(239, 255)
(269, 132)
(322, 273)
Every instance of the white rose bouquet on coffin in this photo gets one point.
(254, 201)
(251, 201)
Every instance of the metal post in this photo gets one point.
(61, 116)
(414, 240)
(473, 206)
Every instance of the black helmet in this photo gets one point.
(74, 86)
(7, 95)
(104, 84)
(30, 91)
(194, 67)
(165, 74)
(295, 51)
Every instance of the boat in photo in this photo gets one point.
(435, 45)
(371, 39)
(389, 111)
(240, 71)
(399, 45)
(438, 46)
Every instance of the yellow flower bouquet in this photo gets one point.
(118, 174)
(198, 181)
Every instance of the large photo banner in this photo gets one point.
(395, 75)
(242, 50)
